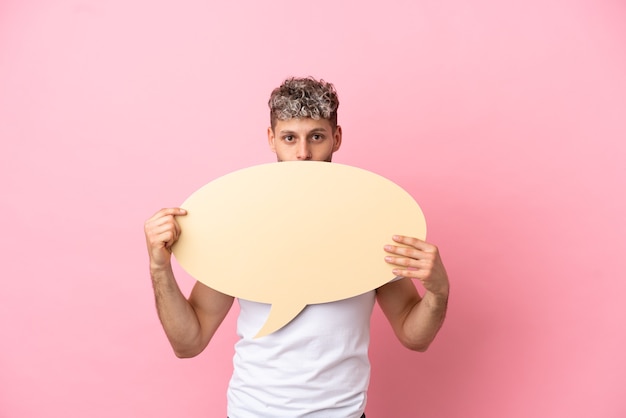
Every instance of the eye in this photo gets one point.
(288, 138)
(317, 137)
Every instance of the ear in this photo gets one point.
(337, 137)
(270, 139)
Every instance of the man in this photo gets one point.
(317, 365)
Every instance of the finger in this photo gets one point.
(176, 227)
(161, 237)
(168, 239)
(405, 251)
(164, 219)
(178, 230)
(409, 273)
(167, 212)
(413, 242)
(160, 225)
(400, 261)
(174, 211)
(167, 225)
(410, 263)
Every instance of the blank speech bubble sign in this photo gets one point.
(292, 234)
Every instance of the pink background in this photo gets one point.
(505, 120)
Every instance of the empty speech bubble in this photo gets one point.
(292, 234)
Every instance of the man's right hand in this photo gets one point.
(162, 231)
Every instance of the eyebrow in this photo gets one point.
(286, 132)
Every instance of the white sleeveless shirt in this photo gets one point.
(315, 366)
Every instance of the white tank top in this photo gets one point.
(315, 366)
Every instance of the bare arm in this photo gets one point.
(188, 324)
(415, 320)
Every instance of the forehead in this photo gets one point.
(303, 125)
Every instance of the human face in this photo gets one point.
(304, 139)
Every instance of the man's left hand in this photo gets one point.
(420, 260)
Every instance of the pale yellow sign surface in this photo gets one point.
(292, 234)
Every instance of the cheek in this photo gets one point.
(280, 149)
(284, 153)
(330, 147)
(323, 153)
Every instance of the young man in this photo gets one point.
(317, 365)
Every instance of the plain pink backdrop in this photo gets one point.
(505, 120)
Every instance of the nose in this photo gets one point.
(304, 151)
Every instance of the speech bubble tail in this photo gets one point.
(280, 315)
